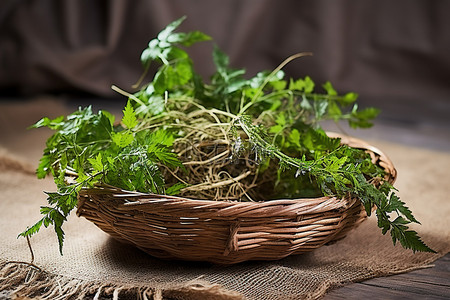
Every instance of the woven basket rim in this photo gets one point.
(132, 199)
(177, 206)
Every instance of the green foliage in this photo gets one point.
(90, 146)
(279, 119)
(339, 170)
(176, 68)
(164, 47)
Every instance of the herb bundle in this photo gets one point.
(229, 139)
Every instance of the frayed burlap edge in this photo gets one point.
(25, 281)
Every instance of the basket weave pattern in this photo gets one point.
(224, 232)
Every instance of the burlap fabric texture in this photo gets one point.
(96, 266)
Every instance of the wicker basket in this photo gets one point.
(225, 232)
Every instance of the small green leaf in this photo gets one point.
(320, 108)
(349, 98)
(167, 31)
(97, 163)
(278, 85)
(153, 52)
(159, 82)
(44, 166)
(220, 59)
(47, 122)
(309, 85)
(336, 163)
(164, 156)
(123, 138)
(328, 87)
(275, 104)
(395, 204)
(408, 238)
(305, 104)
(129, 116)
(58, 220)
(194, 37)
(161, 137)
(368, 113)
(175, 189)
(334, 111)
(33, 229)
(297, 85)
(294, 138)
(110, 117)
(275, 129)
(281, 119)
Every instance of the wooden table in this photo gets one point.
(430, 283)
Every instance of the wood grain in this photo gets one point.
(431, 283)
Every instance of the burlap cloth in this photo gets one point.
(94, 265)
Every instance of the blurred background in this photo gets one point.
(394, 54)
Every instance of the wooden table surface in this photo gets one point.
(431, 283)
